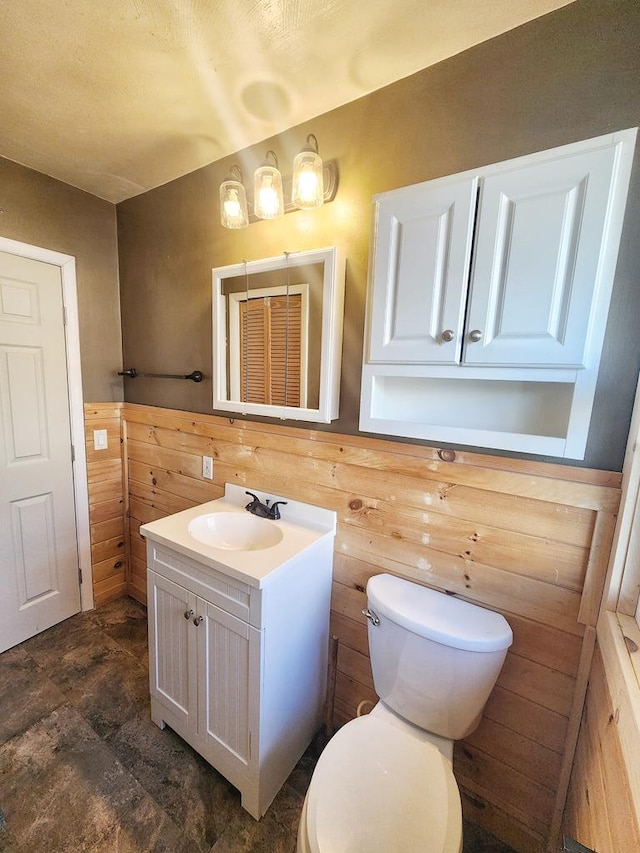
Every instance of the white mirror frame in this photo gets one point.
(331, 342)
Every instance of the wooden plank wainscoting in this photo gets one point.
(107, 503)
(528, 539)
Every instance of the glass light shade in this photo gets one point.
(268, 202)
(233, 204)
(307, 188)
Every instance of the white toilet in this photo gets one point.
(384, 783)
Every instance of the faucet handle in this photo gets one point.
(256, 500)
(274, 512)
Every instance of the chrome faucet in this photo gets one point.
(263, 510)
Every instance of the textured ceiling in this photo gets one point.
(120, 97)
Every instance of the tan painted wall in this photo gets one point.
(44, 212)
(567, 76)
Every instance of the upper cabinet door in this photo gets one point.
(540, 234)
(423, 237)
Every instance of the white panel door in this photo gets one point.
(38, 544)
(538, 247)
(420, 271)
(229, 651)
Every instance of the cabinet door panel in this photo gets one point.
(230, 652)
(420, 272)
(172, 655)
(535, 270)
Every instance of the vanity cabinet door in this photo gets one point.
(540, 233)
(423, 237)
(229, 697)
(173, 649)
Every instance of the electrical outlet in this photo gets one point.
(207, 467)
(100, 439)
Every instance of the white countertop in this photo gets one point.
(301, 524)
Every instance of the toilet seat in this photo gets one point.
(378, 789)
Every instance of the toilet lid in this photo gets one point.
(377, 789)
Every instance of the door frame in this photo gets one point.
(67, 265)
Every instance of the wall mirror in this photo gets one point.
(277, 335)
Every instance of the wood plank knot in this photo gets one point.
(447, 455)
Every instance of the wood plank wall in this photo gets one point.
(528, 539)
(600, 813)
(107, 504)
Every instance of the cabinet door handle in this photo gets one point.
(475, 336)
(447, 335)
(198, 620)
(188, 614)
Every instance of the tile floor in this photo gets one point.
(83, 768)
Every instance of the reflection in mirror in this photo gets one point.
(272, 356)
(278, 335)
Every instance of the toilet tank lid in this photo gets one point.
(437, 616)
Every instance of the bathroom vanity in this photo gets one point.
(238, 635)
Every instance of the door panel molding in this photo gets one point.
(32, 522)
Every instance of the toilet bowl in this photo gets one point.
(378, 788)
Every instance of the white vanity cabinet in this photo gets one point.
(488, 299)
(204, 671)
(237, 667)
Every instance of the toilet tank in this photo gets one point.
(435, 658)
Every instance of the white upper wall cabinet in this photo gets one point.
(488, 299)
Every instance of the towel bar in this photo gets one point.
(132, 373)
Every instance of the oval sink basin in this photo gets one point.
(235, 531)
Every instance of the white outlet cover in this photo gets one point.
(100, 441)
(207, 467)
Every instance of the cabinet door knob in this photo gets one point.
(447, 335)
(198, 620)
(188, 614)
(475, 336)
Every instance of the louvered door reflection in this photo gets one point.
(271, 350)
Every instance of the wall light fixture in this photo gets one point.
(307, 189)
(233, 200)
(312, 183)
(268, 201)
